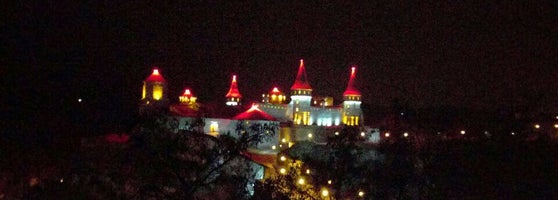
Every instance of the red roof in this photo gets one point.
(301, 82)
(263, 159)
(187, 93)
(351, 89)
(155, 76)
(184, 111)
(276, 91)
(233, 90)
(254, 113)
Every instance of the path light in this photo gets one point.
(325, 193)
(301, 181)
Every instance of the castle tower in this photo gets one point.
(274, 97)
(352, 113)
(301, 97)
(187, 98)
(233, 96)
(154, 91)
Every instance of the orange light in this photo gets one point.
(155, 71)
(301, 62)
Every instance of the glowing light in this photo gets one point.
(512, 133)
(157, 92)
(462, 132)
(336, 133)
(537, 126)
(362, 134)
(353, 70)
(275, 90)
(282, 171)
(273, 147)
(79, 100)
(307, 171)
(284, 140)
(325, 193)
(187, 92)
(62, 180)
(329, 182)
(301, 181)
(283, 158)
(309, 135)
(155, 71)
(405, 134)
(555, 125)
(360, 193)
(387, 134)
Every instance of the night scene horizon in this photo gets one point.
(372, 100)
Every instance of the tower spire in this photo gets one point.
(301, 82)
(351, 89)
(233, 96)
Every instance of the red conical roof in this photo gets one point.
(276, 91)
(301, 82)
(254, 113)
(233, 90)
(187, 93)
(155, 76)
(351, 89)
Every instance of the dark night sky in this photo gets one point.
(478, 55)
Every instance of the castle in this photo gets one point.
(304, 117)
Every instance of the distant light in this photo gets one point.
(273, 147)
(283, 140)
(309, 135)
(329, 182)
(387, 134)
(439, 133)
(62, 180)
(307, 171)
(155, 72)
(301, 181)
(402, 113)
(79, 100)
(362, 134)
(325, 193)
(556, 117)
(555, 125)
(486, 132)
(336, 133)
(537, 126)
(282, 171)
(462, 132)
(360, 193)
(405, 134)
(512, 133)
(280, 145)
(282, 158)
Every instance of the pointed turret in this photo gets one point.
(233, 96)
(301, 82)
(187, 97)
(154, 91)
(352, 113)
(351, 89)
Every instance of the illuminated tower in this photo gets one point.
(154, 90)
(233, 96)
(301, 97)
(352, 114)
(187, 98)
(274, 97)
